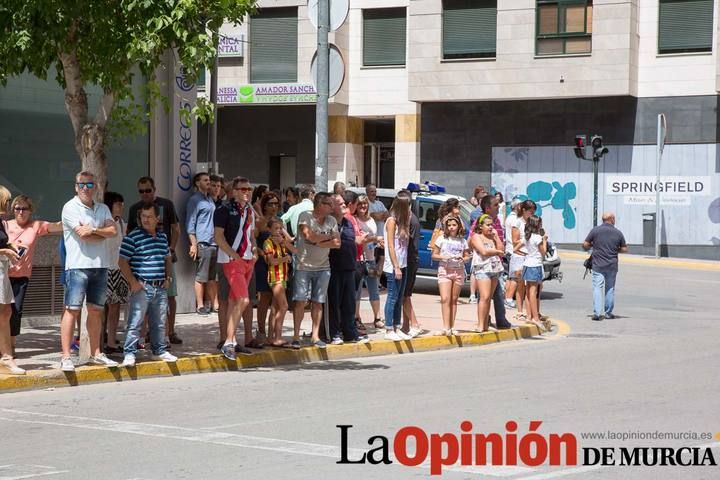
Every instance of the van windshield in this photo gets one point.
(466, 209)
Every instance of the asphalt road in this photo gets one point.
(652, 369)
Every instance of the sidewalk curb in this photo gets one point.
(269, 357)
(627, 259)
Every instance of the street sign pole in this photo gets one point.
(661, 128)
(323, 87)
(596, 167)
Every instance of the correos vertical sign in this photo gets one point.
(183, 151)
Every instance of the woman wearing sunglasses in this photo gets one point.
(23, 232)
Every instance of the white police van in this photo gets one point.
(427, 199)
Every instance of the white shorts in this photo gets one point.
(516, 265)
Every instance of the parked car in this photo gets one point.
(426, 205)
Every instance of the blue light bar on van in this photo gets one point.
(434, 187)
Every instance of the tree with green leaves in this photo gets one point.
(105, 43)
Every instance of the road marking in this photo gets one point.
(17, 472)
(225, 439)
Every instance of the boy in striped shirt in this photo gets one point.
(146, 263)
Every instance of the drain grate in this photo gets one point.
(590, 335)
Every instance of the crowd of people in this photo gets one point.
(278, 251)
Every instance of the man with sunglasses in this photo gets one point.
(86, 225)
(167, 224)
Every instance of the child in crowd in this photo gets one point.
(487, 266)
(276, 248)
(452, 251)
(536, 247)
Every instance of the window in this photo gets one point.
(427, 214)
(274, 45)
(564, 27)
(469, 28)
(201, 79)
(685, 26)
(384, 33)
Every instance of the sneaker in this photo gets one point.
(510, 303)
(67, 365)
(7, 365)
(403, 335)
(472, 299)
(295, 344)
(229, 352)
(204, 311)
(337, 341)
(319, 344)
(609, 316)
(75, 345)
(102, 359)
(392, 335)
(165, 357)
(243, 350)
(128, 360)
(362, 339)
(597, 318)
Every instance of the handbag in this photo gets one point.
(588, 265)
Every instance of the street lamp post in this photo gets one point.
(323, 91)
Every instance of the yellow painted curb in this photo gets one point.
(709, 265)
(36, 379)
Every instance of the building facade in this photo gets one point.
(492, 92)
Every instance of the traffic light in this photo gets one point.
(579, 148)
(597, 146)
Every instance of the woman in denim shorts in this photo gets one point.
(536, 247)
(486, 264)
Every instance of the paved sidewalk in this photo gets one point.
(38, 347)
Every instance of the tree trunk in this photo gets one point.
(90, 145)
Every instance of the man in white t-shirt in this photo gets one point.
(86, 226)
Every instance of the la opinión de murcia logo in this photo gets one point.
(412, 446)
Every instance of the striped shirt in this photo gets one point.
(276, 273)
(145, 254)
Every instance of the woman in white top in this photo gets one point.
(536, 247)
(510, 221)
(517, 260)
(117, 287)
(397, 235)
(370, 272)
(487, 266)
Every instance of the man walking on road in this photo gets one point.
(606, 242)
(86, 225)
(146, 263)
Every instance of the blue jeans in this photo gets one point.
(603, 285)
(394, 300)
(152, 301)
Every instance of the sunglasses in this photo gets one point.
(244, 189)
(87, 185)
(22, 209)
(144, 190)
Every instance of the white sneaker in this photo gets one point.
(128, 360)
(166, 357)
(403, 335)
(472, 299)
(337, 341)
(102, 359)
(67, 365)
(392, 335)
(414, 332)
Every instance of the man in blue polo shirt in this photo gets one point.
(146, 263)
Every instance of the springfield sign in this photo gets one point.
(267, 93)
(642, 190)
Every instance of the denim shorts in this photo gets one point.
(485, 275)
(206, 263)
(532, 274)
(311, 286)
(87, 284)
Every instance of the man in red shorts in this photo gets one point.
(234, 223)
